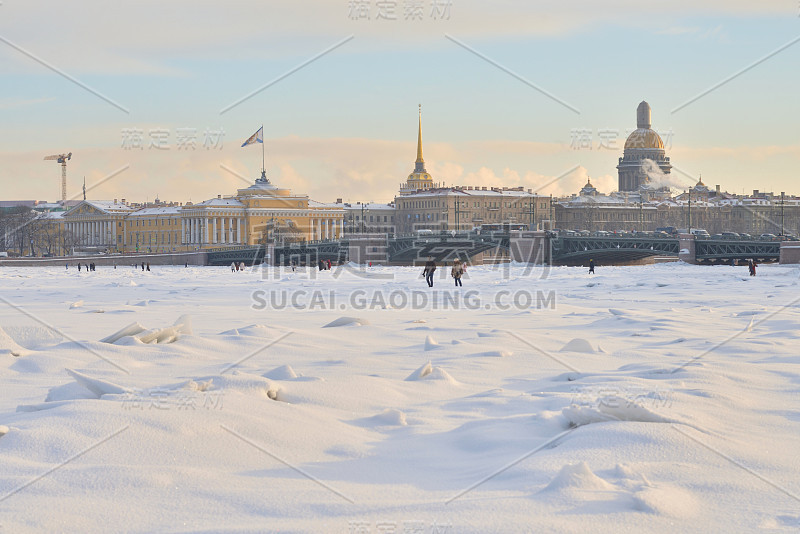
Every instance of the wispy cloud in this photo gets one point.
(13, 103)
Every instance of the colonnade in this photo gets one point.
(212, 230)
(326, 228)
(99, 233)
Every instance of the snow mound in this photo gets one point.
(169, 334)
(246, 384)
(76, 304)
(389, 417)
(97, 386)
(32, 337)
(667, 501)
(284, 372)
(346, 321)
(9, 346)
(431, 344)
(253, 330)
(611, 409)
(578, 344)
(577, 477)
(3, 430)
(429, 372)
(420, 373)
(69, 391)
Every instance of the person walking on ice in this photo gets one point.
(430, 268)
(457, 271)
(591, 266)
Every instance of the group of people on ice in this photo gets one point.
(456, 272)
(89, 267)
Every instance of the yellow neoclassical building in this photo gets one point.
(257, 214)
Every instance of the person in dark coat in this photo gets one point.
(148, 265)
(430, 268)
(79, 266)
(457, 271)
(591, 266)
(143, 266)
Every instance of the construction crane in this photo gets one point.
(62, 159)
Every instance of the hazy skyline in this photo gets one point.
(344, 125)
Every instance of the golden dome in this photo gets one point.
(644, 138)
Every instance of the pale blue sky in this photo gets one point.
(345, 125)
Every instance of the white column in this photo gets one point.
(214, 236)
(341, 227)
(239, 230)
(223, 232)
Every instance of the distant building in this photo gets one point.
(369, 217)
(643, 143)
(256, 214)
(422, 204)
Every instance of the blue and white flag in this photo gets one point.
(257, 137)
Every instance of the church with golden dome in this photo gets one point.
(643, 143)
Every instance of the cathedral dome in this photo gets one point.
(644, 138)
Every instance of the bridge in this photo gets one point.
(579, 250)
(524, 246)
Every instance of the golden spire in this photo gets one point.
(419, 166)
(419, 138)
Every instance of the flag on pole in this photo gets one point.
(257, 137)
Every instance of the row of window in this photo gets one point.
(421, 204)
(373, 218)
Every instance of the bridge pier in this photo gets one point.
(531, 247)
(366, 248)
(790, 252)
(687, 251)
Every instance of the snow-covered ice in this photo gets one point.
(656, 398)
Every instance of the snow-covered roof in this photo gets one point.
(444, 191)
(324, 205)
(221, 202)
(109, 205)
(52, 215)
(371, 206)
(162, 210)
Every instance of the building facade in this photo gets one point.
(257, 214)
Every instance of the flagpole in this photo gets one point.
(263, 166)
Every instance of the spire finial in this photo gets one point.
(419, 139)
